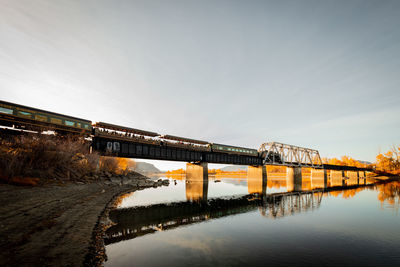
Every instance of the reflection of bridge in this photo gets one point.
(135, 222)
(142, 220)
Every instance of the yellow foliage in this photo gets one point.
(389, 162)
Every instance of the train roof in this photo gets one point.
(234, 146)
(44, 111)
(184, 139)
(126, 129)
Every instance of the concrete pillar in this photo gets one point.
(353, 177)
(361, 177)
(294, 179)
(337, 178)
(197, 182)
(319, 178)
(197, 172)
(257, 179)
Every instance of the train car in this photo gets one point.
(171, 140)
(112, 127)
(37, 119)
(184, 139)
(233, 149)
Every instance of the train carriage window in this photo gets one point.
(116, 147)
(40, 117)
(109, 146)
(6, 110)
(86, 126)
(78, 124)
(69, 123)
(24, 113)
(55, 120)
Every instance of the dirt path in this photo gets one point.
(51, 225)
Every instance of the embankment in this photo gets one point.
(56, 225)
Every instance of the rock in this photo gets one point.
(142, 183)
(127, 181)
(115, 180)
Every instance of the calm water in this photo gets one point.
(220, 224)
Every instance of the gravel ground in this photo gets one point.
(55, 225)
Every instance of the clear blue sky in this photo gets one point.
(319, 74)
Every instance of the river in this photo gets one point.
(232, 221)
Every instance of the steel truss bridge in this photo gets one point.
(288, 155)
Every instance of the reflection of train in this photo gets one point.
(36, 119)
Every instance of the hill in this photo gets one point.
(234, 168)
(144, 167)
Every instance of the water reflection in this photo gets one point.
(196, 191)
(389, 195)
(243, 228)
(141, 220)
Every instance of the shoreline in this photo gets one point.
(60, 224)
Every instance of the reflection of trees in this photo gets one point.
(276, 183)
(390, 193)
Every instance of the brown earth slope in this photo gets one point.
(52, 225)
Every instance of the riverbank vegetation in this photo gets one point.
(31, 159)
(389, 162)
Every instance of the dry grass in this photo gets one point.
(45, 156)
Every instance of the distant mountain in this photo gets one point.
(364, 162)
(144, 167)
(234, 168)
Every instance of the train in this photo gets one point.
(25, 117)
(35, 119)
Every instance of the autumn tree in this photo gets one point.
(389, 161)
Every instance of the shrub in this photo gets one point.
(45, 156)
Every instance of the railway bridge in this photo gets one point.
(120, 141)
(198, 156)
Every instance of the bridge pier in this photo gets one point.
(294, 179)
(361, 177)
(197, 171)
(196, 182)
(353, 178)
(337, 178)
(319, 178)
(257, 179)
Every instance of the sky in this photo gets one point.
(317, 74)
